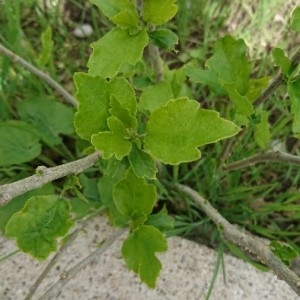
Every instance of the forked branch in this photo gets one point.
(245, 240)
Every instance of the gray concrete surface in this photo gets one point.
(188, 269)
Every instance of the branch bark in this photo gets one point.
(45, 175)
(43, 76)
(245, 240)
(276, 156)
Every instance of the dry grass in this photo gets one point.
(263, 24)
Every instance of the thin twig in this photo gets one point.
(45, 175)
(245, 240)
(45, 77)
(55, 289)
(277, 156)
(228, 145)
(276, 82)
(269, 91)
(5, 257)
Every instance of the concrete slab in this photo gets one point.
(188, 269)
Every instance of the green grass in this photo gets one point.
(257, 198)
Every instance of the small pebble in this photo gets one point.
(83, 31)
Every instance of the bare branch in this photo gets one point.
(55, 289)
(45, 77)
(276, 156)
(45, 175)
(245, 240)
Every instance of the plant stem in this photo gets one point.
(228, 146)
(55, 289)
(263, 157)
(245, 240)
(45, 77)
(276, 82)
(155, 59)
(45, 175)
(267, 93)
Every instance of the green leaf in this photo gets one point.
(177, 80)
(261, 131)
(285, 252)
(256, 86)
(122, 12)
(164, 38)
(112, 7)
(207, 77)
(295, 21)
(293, 88)
(121, 89)
(139, 251)
(19, 143)
(115, 48)
(93, 105)
(281, 60)
(94, 97)
(47, 46)
(241, 105)
(142, 163)
(18, 203)
(155, 96)
(229, 62)
(112, 142)
(49, 117)
(176, 130)
(161, 220)
(105, 188)
(38, 225)
(127, 20)
(123, 114)
(134, 196)
(158, 12)
(90, 189)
